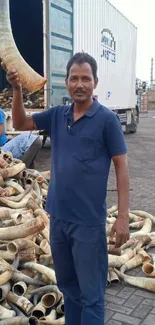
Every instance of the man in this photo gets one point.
(24, 146)
(85, 137)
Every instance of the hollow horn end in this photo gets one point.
(34, 87)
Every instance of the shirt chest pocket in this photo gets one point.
(86, 148)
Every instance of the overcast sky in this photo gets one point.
(142, 14)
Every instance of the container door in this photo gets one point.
(61, 47)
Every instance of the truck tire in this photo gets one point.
(134, 123)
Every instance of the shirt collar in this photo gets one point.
(91, 111)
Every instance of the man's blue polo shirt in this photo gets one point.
(81, 157)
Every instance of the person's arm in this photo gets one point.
(121, 226)
(117, 150)
(21, 121)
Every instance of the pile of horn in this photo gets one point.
(28, 290)
(135, 252)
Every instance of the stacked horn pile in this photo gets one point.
(135, 252)
(35, 100)
(28, 290)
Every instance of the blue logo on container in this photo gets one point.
(108, 44)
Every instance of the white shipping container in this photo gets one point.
(102, 31)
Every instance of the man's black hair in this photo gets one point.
(80, 58)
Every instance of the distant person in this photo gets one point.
(85, 138)
(24, 146)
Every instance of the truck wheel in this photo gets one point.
(134, 123)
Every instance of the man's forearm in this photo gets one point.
(18, 110)
(122, 176)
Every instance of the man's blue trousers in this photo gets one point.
(81, 264)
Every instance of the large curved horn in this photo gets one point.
(11, 56)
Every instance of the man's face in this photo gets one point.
(80, 82)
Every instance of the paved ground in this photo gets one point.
(126, 304)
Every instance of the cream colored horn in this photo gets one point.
(11, 56)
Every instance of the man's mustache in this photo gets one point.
(79, 91)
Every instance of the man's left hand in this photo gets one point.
(121, 230)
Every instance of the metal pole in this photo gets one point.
(46, 51)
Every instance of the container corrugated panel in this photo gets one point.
(102, 31)
(61, 26)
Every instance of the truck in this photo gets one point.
(47, 34)
(103, 32)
